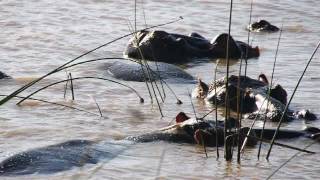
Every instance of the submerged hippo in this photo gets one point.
(77, 153)
(175, 48)
(253, 95)
(131, 71)
(262, 26)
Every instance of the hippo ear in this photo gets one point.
(181, 117)
(204, 86)
(263, 78)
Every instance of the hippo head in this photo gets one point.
(237, 49)
(156, 46)
(276, 92)
(217, 92)
(262, 26)
(207, 137)
(306, 114)
(203, 131)
(246, 95)
(279, 94)
(219, 46)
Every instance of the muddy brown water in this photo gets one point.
(37, 36)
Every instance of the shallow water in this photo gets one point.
(38, 36)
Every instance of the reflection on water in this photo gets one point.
(39, 36)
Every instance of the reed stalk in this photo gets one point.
(100, 112)
(54, 103)
(197, 119)
(78, 78)
(145, 79)
(293, 93)
(147, 74)
(269, 89)
(226, 148)
(283, 145)
(16, 92)
(71, 86)
(239, 109)
(246, 57)
(287, 161)
(65, 87)
(163, 91)
(251, 127)
(136, 61)
(135, 15)
(103, 59)
(216, 107)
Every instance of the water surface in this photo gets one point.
(38, 36)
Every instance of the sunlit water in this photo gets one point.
(37, 36)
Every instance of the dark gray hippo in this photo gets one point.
(3, 75)
(262, 26)
(254, 96)
(77, 153)
(132, 71)
(175, 48)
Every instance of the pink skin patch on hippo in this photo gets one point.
(257, 51)
(181, 117)
(197, 136)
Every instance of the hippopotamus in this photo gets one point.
(77, 153)
(3, 75)
(176, 48)
(132, 71)
(253, 96)
(262, 26)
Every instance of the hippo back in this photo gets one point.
(131, 71)
(60, 157)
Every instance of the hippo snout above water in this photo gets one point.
(262, 26)
(176, 48)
